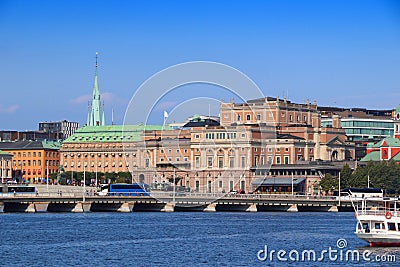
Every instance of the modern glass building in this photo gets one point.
(358, 129)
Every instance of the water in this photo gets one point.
(174, 239)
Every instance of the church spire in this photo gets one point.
(96, 111)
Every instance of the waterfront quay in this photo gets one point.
(74, 200)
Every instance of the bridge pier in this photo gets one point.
(252, 208)
(210, 207)
(333, 209)
(168, 207)
(31, 208)
(41, 206)
(293, 208)
(82, 207)
(126, 207)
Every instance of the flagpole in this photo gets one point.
(339, 189)
(47, 175)
(292, 185)
(173, 196)
(84, 182)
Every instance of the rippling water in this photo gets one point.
(174, 239)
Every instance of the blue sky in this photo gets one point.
(340, 53)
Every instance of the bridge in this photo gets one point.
(69, 199)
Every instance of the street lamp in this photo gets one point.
(20, 164)
(273, 188)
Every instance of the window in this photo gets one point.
(197, 136)
(286, 159)
(278, 160)
(278, 149)
(391, 227)
(220, 184)
(258, 117)
(209, 161)
(230, 185)
(248, 117)
(147, 162)
(197, 162)
(377, 226)
(39, 154)
(290, 118)
(238, 117)
(243, 163)
(286, 149)
(220, 162)
(231, 162)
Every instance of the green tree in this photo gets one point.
(328, 183)
(345, 176)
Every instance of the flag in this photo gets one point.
(165, 114)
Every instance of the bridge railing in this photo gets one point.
(167, 195)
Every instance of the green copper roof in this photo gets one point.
(51, 144)
(112, 133)
(96, 112)
(396, 157)
(374, 156)
(390, 141)
(4, 153)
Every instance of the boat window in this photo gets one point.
(377, 226)
(365, 225)
(398, 227)
(391, 227)
(383, 226)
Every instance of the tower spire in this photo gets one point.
(96, 112)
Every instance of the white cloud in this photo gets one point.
(81, 99)
(107, 97)
(9, 110)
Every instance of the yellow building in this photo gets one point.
(31, 159)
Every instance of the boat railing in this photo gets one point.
(379, 212)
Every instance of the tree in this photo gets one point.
(345, 176)
(328, 183)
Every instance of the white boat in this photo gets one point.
(378, 221)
